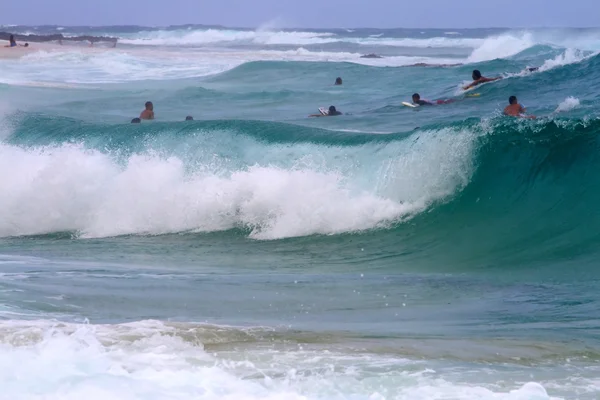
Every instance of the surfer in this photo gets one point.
(416, 99)
(338, 81)
(189, 118)
(148, 113)
(514, 109)
(478, 79)
(136, 121)
(331, 112)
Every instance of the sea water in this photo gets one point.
(441, 252)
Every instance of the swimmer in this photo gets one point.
(136, 121)
(148, 113)
(416, 99)
(338, 81)
(478, 80)
(189, 118)
(11, 41)
(514, 109)
(330, 113)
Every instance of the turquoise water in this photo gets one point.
(443, 252)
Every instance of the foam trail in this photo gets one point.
(151, 360)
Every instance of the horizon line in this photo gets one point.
(219, 26)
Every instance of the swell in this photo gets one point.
(531, 185)
(531, 200)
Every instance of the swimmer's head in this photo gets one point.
(476, 75)
(11, 38)
(149, 106)
(26, 44)
(338, 81)
(189, 118)
(136, 121)
(333, 111)
(512, 100)
(416, 97)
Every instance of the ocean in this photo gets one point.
(442, 252)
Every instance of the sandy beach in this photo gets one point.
(20, 51)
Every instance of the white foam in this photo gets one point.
(218, 36)
(570, 56)
(68, 188)
(501, 47)
(149, 360)
(568, 104)
(91, 66)
(435, 42)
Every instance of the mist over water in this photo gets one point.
(442, 252)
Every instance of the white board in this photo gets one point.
(411, 105)
(323, 111)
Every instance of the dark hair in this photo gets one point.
(332, 109)
(338, 81)
(417, 95)
(11, 38)
(26, 44)
(148, 104)
(476, 74)
(512, 99)
(136, 121)
(189, 118)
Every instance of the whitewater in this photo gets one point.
(443, 252)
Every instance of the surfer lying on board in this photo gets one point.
(478, 79)
(416, 99)
(514, 109)
(331, 112)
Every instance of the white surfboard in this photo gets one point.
(323, 111)
(411, 105)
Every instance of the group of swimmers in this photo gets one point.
(514, 109)
(13, 43)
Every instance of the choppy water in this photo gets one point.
(439, 253)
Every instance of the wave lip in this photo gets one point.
(92, 193)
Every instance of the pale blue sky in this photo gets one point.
(307, 13)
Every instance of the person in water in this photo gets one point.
(338, 81)
(514, 109)
(148, 113)
(332, 112)
(189, 118)
(416, 99)
(478, 79)
(11, 41)
(136, 121)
